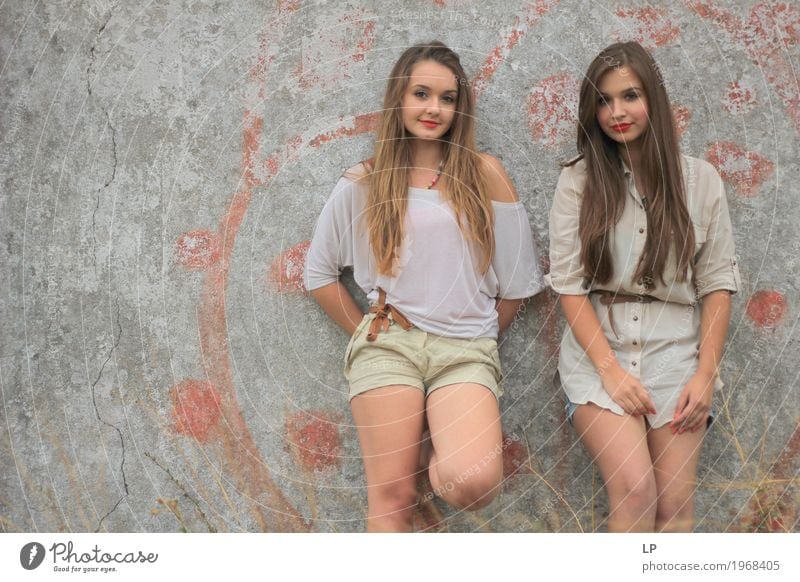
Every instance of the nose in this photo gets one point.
(433, 105)
(617, 108)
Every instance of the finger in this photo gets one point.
(649, 404)
(700, 417)
(682, 413)
(702, 423)
(683, 400)
(690, 420)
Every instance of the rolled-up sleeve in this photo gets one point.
(715, 266)
(566, 271)
(331, 248)
(516, 258)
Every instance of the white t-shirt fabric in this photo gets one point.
(436, 282)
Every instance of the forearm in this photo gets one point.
(337, 302)
(715, 316)
(585, 326)
(507, 310)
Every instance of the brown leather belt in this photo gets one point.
(610, 298)
(382, 310)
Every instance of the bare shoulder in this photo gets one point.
(500, 187)
(357, 172)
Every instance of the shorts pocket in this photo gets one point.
(349, 350)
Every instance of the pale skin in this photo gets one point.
(649, 473)
(464, 419)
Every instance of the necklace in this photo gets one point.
(437, 176)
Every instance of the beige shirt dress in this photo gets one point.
(657, 342)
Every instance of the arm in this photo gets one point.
(332, 249)
(695, 400)
(514, 279)
(717, 277)
(624, 389)
(337, 302)
(566, 278)
(507, 310)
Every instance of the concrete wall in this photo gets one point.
(163, 165)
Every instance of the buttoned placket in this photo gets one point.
(635, 310)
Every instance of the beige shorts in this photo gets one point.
(419, 359)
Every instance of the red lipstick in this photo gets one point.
(428, 123)
(621, 127)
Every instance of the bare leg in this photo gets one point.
(389, 421)
(466, 467)
(618, 445)
(675, 465)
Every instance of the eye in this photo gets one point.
(449, 99)
(420, 94)
(632, 96)
(601, 101)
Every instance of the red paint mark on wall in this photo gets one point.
(195, 408)
(535, 11)
(785, 467)
(253, 128)
(282, 156)
(515, 456)
(285, 274)
(197, 249)
(314, 439)
(361, 124)
(772, 507)
(288, 6)
(552, 110)
(744, 170)
(240, 457)
(739, 98)
(650, 27)
(764, 35)
(766, 308)
(682, 115)
(327, 57)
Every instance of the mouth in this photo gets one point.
(429, 124)
(621, 127)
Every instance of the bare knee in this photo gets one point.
(470, 489)
(392, 506)
(634, 492)
(675, 511)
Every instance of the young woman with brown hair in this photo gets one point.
(642, 255)
(441, 245)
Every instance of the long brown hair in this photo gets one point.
(388, 171)
(669, 222)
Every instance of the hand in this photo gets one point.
(627, 391)
(694, 404)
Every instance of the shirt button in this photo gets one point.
(633, 363)
(636, 343)
(641, 230)
(635, 318)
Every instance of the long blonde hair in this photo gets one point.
(387, 173)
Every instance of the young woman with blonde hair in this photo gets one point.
(641, 252)
(441, 245)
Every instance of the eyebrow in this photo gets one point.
(421, 86)
(633, 88)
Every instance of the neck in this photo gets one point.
(426, 154)
(632, 154)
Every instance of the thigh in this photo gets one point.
(675, 459)
(389, 422)
(465, 427)
(617, 444)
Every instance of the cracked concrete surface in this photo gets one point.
(162, 167)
